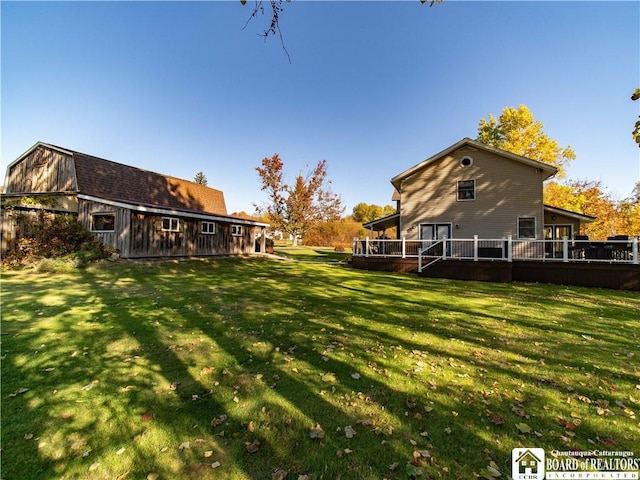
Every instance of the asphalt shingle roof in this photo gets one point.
(115, 181)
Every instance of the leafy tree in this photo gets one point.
(589, 198)
(636, 130)
(296, 209)
(364, 212)
(200, 178)
(516, 131)
(335, 233)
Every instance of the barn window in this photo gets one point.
(103, 222)
(466, 189)
(170, 224)
(236, 230)
(208, 227)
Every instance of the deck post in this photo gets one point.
(366, 246)
(404, 247)
(634, 250)
(475, 248)
(509, 248)
(565, 249)
(444, 247)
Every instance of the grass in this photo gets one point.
(133, 369)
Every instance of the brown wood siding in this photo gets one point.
(149, 240)
(140, 235)
(505, 190)
(119, 239)
(43, 170)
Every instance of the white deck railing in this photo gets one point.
(501, 249)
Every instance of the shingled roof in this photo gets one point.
(114, 181)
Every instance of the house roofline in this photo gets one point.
(173, 212)
(385, 220)
(397, 180)
(569, 213)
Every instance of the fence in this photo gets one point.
(616, 250)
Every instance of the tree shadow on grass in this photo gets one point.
(267, 350)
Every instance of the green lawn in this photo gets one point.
(176, 370)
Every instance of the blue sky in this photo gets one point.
(373, 87)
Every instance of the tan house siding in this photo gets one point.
(555, 219)
(505, 190)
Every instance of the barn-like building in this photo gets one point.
(136, 212)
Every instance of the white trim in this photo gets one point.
(171, 219)
(535, 227)
(208, 223)
(466, 157)
(475, 194)
(172, 212)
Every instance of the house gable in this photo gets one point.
(544, 168)
(41, 169)
(500, 189)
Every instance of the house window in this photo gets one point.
(526, 227)
(466, 162)
(170, 224)
(103, 222)
(236, 230)
(208, 227)
(466, 189)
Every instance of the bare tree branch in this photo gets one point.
(274, 25)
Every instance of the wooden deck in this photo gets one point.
(617, 276)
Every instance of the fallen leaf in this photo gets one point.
(20, 391)
(153, 476)
(349, 431)
(279, 474)
(355, 376)
(317, 432)
(215, 464)
(252, 447)
(28, 436)
(184, 446)
(218, 420)
(523, 427)
(89, 386)
(121, 451)
(329, 378)
(93, 466)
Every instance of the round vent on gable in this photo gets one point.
(466, 161)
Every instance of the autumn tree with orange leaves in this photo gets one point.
(295, 209)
